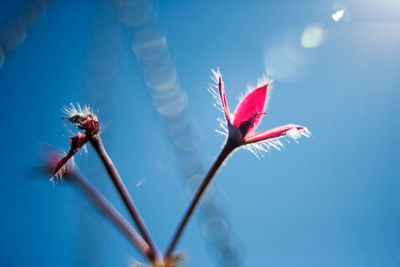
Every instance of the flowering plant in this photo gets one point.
(238, 127)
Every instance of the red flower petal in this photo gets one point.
(248, 113)
(272, 133)
(221, 89)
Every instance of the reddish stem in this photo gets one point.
(108, 209)
(97, 143)
(226, 150)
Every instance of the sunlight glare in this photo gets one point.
(337, 15)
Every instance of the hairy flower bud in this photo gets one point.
(52, 164)
(239, 127)
(83, 118)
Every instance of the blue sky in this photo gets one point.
(331, 200)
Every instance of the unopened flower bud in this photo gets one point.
(84, 118)
(56, 164)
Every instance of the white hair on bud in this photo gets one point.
(73, 110)
(260, 148)
(58, 175)
(213, 88)
(263, 80)
(223, 127)
(63, 170)
(296, 134)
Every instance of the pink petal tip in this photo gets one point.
(273, 133)
(249, 112)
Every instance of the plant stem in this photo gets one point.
(97, 143)
(108, 209)
(226, 150)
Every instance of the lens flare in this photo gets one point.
(313, 36)
(337, 15)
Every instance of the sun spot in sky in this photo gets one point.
(337, 15)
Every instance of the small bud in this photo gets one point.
(84, 118)
(77, 142)
(56, 164)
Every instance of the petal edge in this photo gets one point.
(222, 94)
(277, 132)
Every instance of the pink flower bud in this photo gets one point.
(247, 116)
